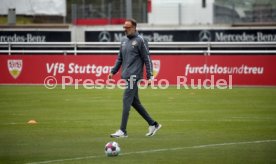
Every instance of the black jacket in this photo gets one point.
(133, 55)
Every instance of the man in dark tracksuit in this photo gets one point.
(133, 55)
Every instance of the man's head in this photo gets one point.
(130, 27)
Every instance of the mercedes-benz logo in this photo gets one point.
(104, 36)
(205, 36)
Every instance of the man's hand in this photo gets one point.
(149, 82)
(110, 76)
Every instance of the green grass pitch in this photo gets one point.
(199, 126)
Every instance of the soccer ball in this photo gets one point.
(112, 149)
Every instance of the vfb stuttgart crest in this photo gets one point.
(15, 67)
(156, 67)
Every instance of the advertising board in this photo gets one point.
(188, 69)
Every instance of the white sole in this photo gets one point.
(118, 136)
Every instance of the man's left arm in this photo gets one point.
(144, 50)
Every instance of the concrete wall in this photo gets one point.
(180, 12)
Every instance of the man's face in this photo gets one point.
(129, 28)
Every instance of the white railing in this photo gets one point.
(205, 48)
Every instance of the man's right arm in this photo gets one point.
(117, 65)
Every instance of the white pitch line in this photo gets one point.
(157, 150)
(67, 159)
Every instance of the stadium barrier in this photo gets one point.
(178, 63)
